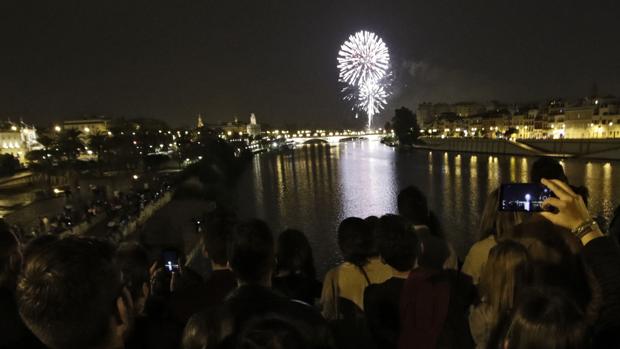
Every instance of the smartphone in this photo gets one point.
(523, 197)
(170, 260)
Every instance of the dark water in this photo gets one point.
(316, 186)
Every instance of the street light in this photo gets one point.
(57, 128)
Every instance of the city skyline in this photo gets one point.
(172, 62)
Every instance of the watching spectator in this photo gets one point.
(251, 255)
(494, 227)
(346, 282)
(70, 294)
(295, 274)
(505, 273)
(545, 319)
(13, 332)
(412, 205)
(397, 246)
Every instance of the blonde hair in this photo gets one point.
(497, 223)
(506, 269)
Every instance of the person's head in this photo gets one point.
(10, 257)
(271, 332)
(545, 319)
(355, 240)
(134, 261)
(413, 206)
(251, 252)
(507, 269)
(555, 258)
(548, 168)
(294, 254)
(205, 329)
(70, 295)
(216, 235)
(497, 223)
(397, 242)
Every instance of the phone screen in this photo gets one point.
(523, 197)
(170, 260)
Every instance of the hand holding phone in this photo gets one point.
(572, 211)
(523, 197)
(170, 260)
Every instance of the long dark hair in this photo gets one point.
(494, 222)
(356, 241)
(294, 254)
(544, 318)
(412, 205)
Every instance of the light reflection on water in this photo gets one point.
(316, 186)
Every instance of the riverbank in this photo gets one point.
(597, 149)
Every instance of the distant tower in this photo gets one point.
(199, 124)
(253, 128)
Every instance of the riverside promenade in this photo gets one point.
(599, 149)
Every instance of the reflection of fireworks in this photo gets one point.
(363, 62)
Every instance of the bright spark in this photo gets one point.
(363, 62)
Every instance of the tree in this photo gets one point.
(8, 165)
(388, 126)
(405, 126)
(46, 140)
(41, 162)
(69, 144)
(98, 143)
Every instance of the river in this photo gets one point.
(315, 187)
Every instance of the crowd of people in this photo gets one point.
(532, 280)
(119, 209)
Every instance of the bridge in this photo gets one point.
(333, 138)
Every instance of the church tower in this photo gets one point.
(200, 124)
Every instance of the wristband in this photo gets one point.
(585, 228)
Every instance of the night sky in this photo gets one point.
(173, 59)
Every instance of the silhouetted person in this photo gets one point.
(13, 332)
(545, 319)
(550, 168)
(505, 273)
(252, 259)
(495, 226)
(70, 294)
(413, 206)
(397, 246)
(345, 283)
(295, 276)
(215, 236)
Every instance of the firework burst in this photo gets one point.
(363, 62)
